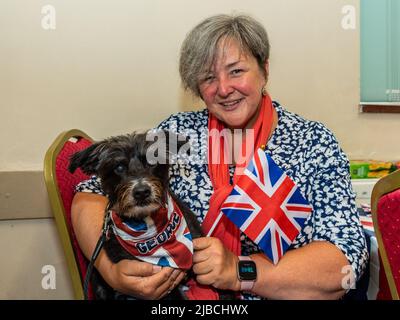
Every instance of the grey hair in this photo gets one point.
(200, 46)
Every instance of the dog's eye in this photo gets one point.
(120, 169)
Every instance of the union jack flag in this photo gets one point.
(267, 206)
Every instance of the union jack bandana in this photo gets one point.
(162, 239)
(267, 206)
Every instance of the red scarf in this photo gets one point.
(216, 224)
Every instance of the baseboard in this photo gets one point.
(23, 195)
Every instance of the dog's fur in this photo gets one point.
(134, 187)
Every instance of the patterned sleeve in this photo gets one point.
(335, 215)
(92, 185)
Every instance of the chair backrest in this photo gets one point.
(60, 185)
(385, 207)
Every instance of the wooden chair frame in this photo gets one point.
(383, 186)
(58, 208)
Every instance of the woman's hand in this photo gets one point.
(214, 264)
(143, 280)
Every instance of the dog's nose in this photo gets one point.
(140, 193)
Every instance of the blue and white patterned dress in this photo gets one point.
(309, 154)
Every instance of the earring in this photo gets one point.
(264, 90)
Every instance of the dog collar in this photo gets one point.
(163, 238)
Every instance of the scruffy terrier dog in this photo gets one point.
(136, 188)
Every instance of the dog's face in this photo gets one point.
(136, 186)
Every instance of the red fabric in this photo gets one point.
(389, 225)
(66, 184)
(225, 230)
(384, 291)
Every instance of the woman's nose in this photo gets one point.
(224, 87)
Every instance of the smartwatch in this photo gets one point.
(246, 272)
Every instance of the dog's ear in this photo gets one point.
(88, 159)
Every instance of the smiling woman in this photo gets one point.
(288, 210)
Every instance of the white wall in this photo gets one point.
(111, 67)
(27, 247)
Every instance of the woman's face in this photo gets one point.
(232, 89)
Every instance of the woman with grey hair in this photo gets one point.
(225, 61)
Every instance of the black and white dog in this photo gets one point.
(136, 186)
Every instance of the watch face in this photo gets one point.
(247, 270)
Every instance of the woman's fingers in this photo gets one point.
(165, 287)
(149, 287)
(203, 267)
(202, 243)
(138, 268)
(147, 281)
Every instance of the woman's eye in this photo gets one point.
(208, 78)
(119, 169)
(236, 71)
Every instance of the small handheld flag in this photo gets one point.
(267, 206)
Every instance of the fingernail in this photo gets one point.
(156, 269)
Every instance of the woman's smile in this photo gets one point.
(231, 105)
